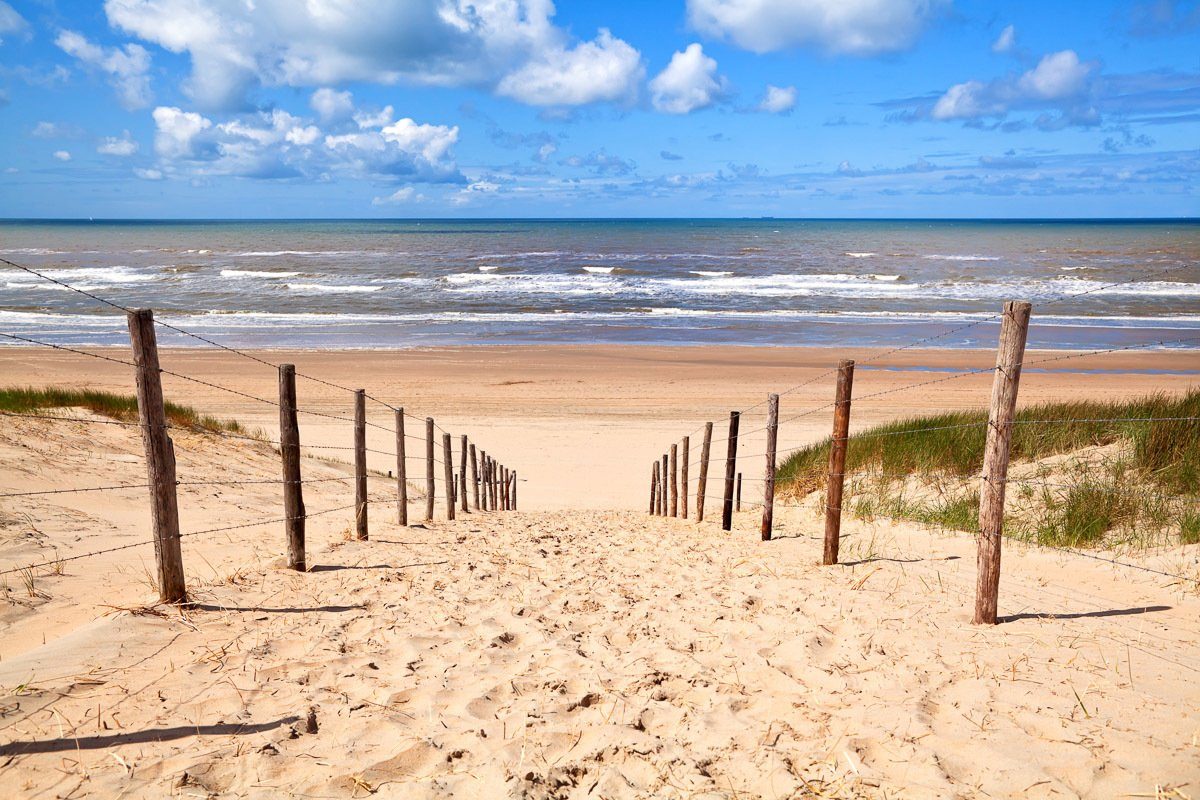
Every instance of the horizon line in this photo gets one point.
(764, 218)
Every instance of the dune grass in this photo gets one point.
(1154, 482)
(18, 399)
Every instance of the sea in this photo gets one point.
(382, 284)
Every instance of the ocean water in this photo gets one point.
(399, 284)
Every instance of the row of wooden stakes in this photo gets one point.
(493, 485)
(669, 473)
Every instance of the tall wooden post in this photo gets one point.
(495, 487)
(160, 458)
(665, 502)
(1009, 355)
(401, 470)
(448, 465)
(514, 490)
(474, 480)
(360, 464)
(654, 488)
(768, 518)
(683, 479)
(674, 480)
(835, 483)
(730, 471)
(483, 478)
(507, 490)
(462, 477)
(702, 483)
(429, 487)
(289, 450)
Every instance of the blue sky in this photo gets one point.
(484, 108)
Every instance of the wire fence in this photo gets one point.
(482, 477)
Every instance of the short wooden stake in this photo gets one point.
(674, 480)
(401, 470)
(730, 471)
(429, 487)
(1009, 355)
(289, 450)
(514, 490)
(683, 479)
(474, 480)
(507, 490)
(160, 458)
(702, 483)
(768, 518)
(835, 482)
(483, 480)
(654, 488)
(739, 492)
(360, 465)
(462, 478)
(448, 468)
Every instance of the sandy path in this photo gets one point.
(594, 654)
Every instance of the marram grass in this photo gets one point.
(107, 404)
(1150, 485)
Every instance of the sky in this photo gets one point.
(659, 108)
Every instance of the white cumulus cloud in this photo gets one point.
(855, 27)
(62, 155)
(689, 83)
(1060, 80)
(128, 67)
(236, 45)
(406, 194)
(124, 145)
(331, 104)
(606, 69)
(778, 100)
(10, 21)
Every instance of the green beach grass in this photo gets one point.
(26, 400)
(1121, 477)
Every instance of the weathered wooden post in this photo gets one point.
(462, 477)
(360, 464)
(835, 483)
(683, 479)
(674, 480)
(768, 519)
(730, 471)
(429, 487)
(474, 480)
(739, 492)
(160, 458)
(665, 502)
(401, 470)
(507, 490)
(483, 480)
(289, 451)
(448, 465)
(653, 487)
(1009, 355)
(514, 490)
(702, 483)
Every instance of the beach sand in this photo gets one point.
(577, 648)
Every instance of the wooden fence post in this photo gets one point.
(768, 519)
(653, 487)
(702, 483)
(401, 470)
(289, 450)
(683, 479)
(730, 471)
(514, 490)
(160, 458)
(429, 487)
(674, 480)
(360, 464)
(664, 504)
(448, 464)
(507, 490)
(835, 483)
(462, 477)
(483, 478)
(474, 479)
(739, 492)
(1013, 330)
